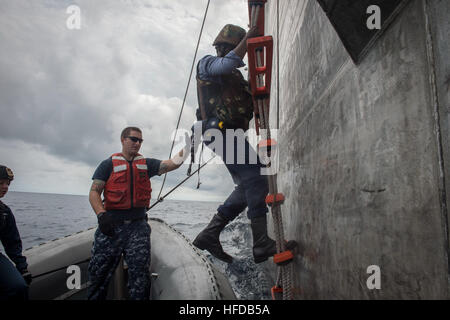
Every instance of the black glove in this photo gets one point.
(105, 223)
(26, 276)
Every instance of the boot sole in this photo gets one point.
(203, 246)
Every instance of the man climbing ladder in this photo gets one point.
(225, 103)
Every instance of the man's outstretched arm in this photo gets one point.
(178, 159)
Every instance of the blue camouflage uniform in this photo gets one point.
(12, 284)
(132, 239)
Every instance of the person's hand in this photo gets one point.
(241, 48)
(253, 32)
(26, 276)
(105, 224)
(187, 146)
(177, 159)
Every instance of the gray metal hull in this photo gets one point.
(364, 151)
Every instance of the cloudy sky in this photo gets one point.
(66, 94)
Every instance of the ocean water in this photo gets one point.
(44, 217)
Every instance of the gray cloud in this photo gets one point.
(69, 93)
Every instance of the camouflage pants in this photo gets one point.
(133, 240)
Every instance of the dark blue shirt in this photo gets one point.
(10, 238)
(103, 173)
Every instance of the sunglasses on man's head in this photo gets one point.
(135, 139)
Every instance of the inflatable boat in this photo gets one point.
(179, 271)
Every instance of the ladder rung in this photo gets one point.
(283, 258)
(271, 199)
(267, 143)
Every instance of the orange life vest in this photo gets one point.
(128, 186)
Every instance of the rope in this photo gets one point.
(199, 167)
(186, 92)
(161, 199)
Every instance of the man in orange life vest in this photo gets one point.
(124, 179)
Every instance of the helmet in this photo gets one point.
(6, 173)
(230, 34)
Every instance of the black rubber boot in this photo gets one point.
(208, 239)
(263, 246)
